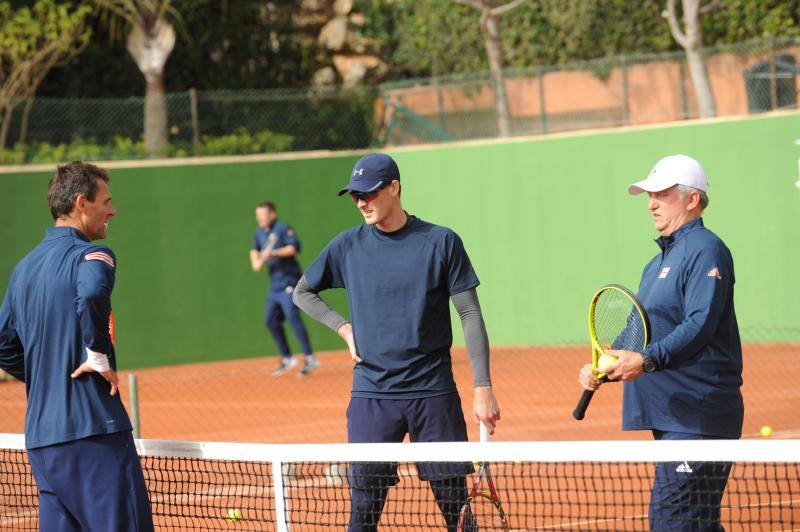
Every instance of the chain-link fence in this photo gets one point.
(748, 78)
(219, 122)
(752, 77)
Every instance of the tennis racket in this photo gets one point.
(617, 320)
(272, 239)
(112, 330)
(483, 510)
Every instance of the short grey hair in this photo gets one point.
(685, 190)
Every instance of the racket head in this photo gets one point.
(617, 320)
(483, 510)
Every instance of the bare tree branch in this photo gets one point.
(672, 19)
(472, 3)
(711, 6)
(499, 10)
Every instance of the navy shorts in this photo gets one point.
(430, 419)
(91, 484)
(687, 495)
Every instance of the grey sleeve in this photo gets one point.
(309, 302)
(469, 310)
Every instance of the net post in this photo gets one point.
(134, 404)
(280, 496)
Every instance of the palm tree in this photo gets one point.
(150, 41)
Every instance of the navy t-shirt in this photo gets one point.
(687, 291)
(283, 271)
(398, 287)
(57, 304)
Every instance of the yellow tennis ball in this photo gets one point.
(766, 431)
(234, 514)
(605, 360)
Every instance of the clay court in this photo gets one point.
(537, 389)
(536, 386)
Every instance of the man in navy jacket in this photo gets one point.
(686, 384)
(54, 336)
(280, 259)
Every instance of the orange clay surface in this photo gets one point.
(537, 390)
(536, 386)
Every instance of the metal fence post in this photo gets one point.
(684, 98)
(134, 405)
(195, 121)
(625, 109)
(542, 107)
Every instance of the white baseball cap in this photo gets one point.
(670, 171)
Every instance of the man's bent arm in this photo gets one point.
(94, 287)
(706, 298)
(285, 252)
(11, 352)
(309, 302)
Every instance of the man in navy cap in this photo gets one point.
(54, 336)
(400, 274)
(686, 384)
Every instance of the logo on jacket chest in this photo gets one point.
(664, 272)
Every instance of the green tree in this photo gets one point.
(431, 37)
(240, 45)
(244, 44)
(33, 40)
(434, 37)
(735, 21)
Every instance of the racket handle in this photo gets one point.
(583, 404)
(484, 432)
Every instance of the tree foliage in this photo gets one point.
(259, 44)
(431, 36)
(739, 20)
(33, 40)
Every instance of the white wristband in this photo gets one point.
(97, 361)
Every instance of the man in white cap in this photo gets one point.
(686, 384)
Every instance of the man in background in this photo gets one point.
(400, 274)
(275, 245)
(685, 385)
(54, 336)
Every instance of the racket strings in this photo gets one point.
(483, 510)
(618, 324)
(483, 514)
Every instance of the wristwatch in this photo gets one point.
(649, 364)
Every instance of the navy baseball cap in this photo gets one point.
(371, 172)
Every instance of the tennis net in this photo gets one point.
(541, 485)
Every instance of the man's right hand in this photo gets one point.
(110, 375)
(346, 333)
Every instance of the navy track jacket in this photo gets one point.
(57, 304)
(687, 291)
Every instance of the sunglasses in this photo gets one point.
(367, 196)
